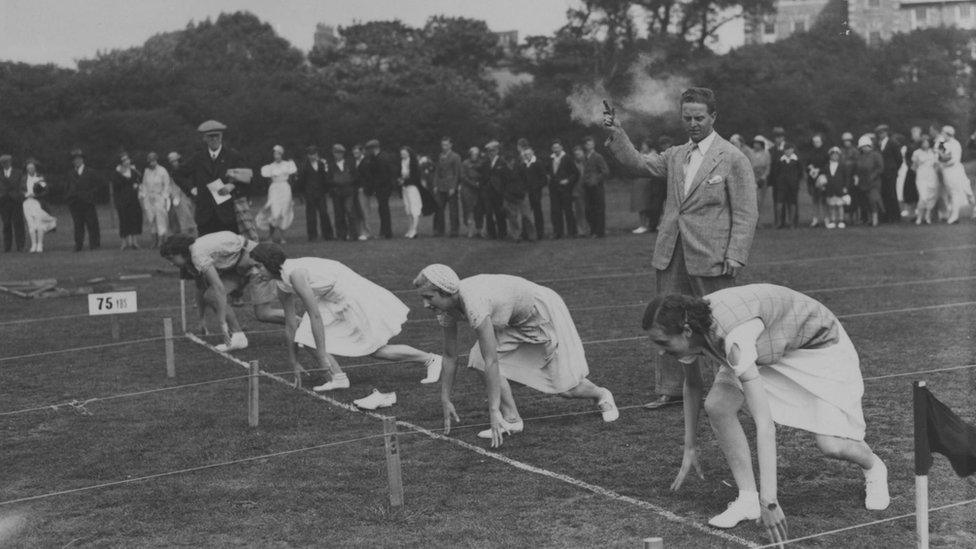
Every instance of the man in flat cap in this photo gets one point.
(211, 177)
(377, 178)
(313, 183)
(496, 176)
(11, 204)
(342, 185)
(891, 154)
(83, 184)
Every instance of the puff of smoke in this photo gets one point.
(649, 96)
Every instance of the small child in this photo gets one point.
(787, 187)
(835, 181)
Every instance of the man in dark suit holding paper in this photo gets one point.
(709, 216)
(215, 177)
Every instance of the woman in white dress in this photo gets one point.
(924, 161)
(38, 221)
(346, 314)
(278, 212)
(409, 181)
(959, 191)
(785, 356)
(525, 334)
(156, 193)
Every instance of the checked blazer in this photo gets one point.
(716, 218)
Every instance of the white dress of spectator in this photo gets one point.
(954, 175)
(156, 195)
(278, 212)
(38, 221)
(926, 180)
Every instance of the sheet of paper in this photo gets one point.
(215, 186)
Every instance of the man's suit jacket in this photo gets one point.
(11, 187)
(81, 189)
(314, 183)
(595, 170)
(716, 219)
(200, 171)
(565, 170)
(375, 175)
(891, 153)
(343, 181)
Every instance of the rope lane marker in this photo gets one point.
(599, 490)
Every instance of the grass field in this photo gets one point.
(906, 295)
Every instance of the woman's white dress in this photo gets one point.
(808, 365)
(156, 193)
(358, 315)
(35, 216)
(957, 183)
(278, 211)
(926, 178)
(538, 345)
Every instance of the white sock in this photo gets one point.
(747, 495)
(875, 460)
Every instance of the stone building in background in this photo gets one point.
(874, 20)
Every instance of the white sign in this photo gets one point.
(112, 303)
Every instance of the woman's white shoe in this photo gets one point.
(608, 407)
(434, 365)
(509, 427)
(738, 511)
(340, 381)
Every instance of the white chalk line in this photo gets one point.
(599, 490)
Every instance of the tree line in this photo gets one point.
(407, 85)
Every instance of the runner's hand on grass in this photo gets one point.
(689, 460)
(497, 428)
(772, 518)
(449, 413)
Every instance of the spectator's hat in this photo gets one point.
(311, 149)
(778, 131)
(77, 153)
(5, 158)
(847, 136)
(759, 139)
(865, 141)
(492, 145)
(211, 126)
(834, 150)
(881, 128)
(338, 148)
(949, 130)
(373, 144)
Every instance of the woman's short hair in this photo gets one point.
(176, 244)
(673, 312)
(271, 256)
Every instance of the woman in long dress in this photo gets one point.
(960, 192)
(525, 334)
(346, 314)
(156, 193)
(924, 160)
(785, 356)
(126, 191)
(38, 221)
(278, 212)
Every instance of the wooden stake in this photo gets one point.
(115, 327)
(653, 543)
(183, 305)
(393, 461)
(252, 394)
(170, 357)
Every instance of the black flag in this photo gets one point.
(939, 429)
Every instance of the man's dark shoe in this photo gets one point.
(663, 401)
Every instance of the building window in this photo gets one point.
(920, 15)
(799, 25)
(769, 27)
(874, 3)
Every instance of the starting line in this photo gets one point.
(593, 488)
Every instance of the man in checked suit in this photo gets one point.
(709, 216)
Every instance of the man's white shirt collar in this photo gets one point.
(704, 144)
(216, 153)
